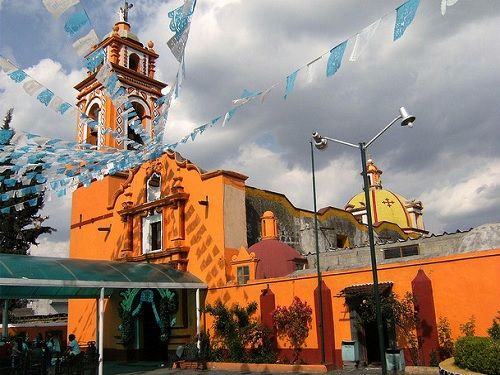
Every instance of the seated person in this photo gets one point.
(52, 342)
(73, 347)
(18, 351)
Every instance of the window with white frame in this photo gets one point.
(152, 233)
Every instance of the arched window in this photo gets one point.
(131, 134)
(133, 62)
(153, 187)
(91, 136)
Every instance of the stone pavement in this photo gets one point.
(154, 368)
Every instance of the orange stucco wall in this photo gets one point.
(203, 217)
(101, 230)
(461, 283)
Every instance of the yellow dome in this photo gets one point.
(388, 207)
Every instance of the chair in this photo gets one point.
(76, 364)
(35, 363)
(71, 365)
(91, 363)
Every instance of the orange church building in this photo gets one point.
(247, 244)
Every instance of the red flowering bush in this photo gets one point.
(293, 323)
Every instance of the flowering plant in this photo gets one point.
(293, 323)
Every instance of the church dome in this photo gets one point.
(122, 29)
(386, 206)
(276, 259)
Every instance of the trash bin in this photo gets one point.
(350, 352)
(395, 359)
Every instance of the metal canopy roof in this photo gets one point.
(356, 290)
(23, 276)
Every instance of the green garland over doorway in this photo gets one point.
(165, 315)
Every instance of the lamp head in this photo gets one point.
(406, 118)
(320, 142)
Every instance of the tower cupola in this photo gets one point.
(269, 225)
(373, 175)
(134, 65)
(386, 205)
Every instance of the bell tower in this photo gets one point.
(134, 64)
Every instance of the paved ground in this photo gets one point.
(154, 368)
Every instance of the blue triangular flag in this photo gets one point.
(335, 59)
(290, 83)
(405, 14)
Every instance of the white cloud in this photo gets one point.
(271, 171)
(50, 248)
(32, 116)
(443, 69)
(469, 195)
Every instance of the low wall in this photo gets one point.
(448, 367)
(267, 367)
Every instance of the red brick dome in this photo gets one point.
(276, 259)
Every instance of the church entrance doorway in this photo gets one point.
(371, 342)
(359, 299)
(153, 349)
(145, 314)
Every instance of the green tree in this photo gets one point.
(469, 327)
(19, 228)
(238, 337)
(446, 345)
(494, 330)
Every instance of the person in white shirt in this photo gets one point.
(73, 347)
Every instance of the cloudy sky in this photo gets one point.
(444, 70)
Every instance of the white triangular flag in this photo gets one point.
(226, 119)
(311, 70)
(445, 3)
(266, 92)
(362, 40)
(58, 7)
(85, 43)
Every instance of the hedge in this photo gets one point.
(479, 354)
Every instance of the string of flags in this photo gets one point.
(36, 165)
(32, 165)
(50, 100)
(77, 24)
(35, 88)
(79, 29)
(405, 15)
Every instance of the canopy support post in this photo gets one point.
(101, 331)
(5, 318)
(97, 321)
(198, 318)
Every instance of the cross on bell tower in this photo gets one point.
(124, 11)
(134, 65)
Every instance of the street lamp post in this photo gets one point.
(318, 270)
(321, 142)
